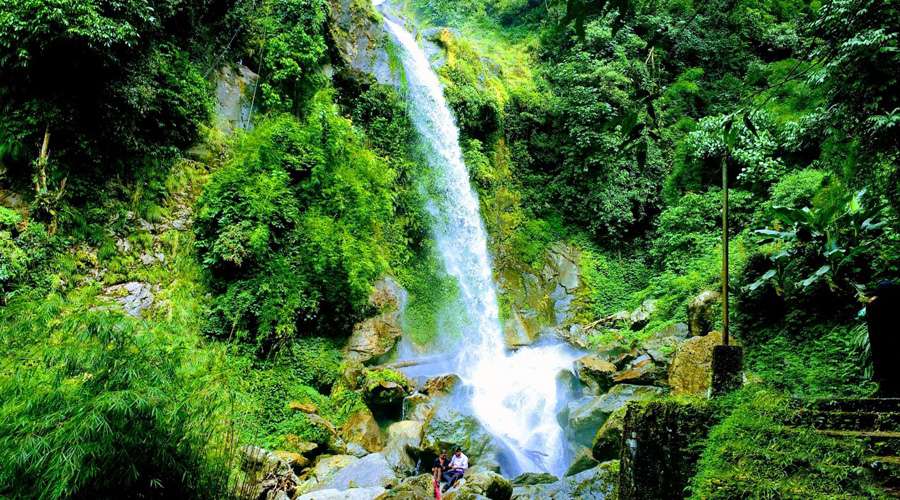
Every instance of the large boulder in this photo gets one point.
(583, 461)
(362, 429)
(641, 316)
(442, 385)
(385, 389)
(352, 494)
(700, 312)
(532, 478)
(418, 407)
(598, 483)
(404, 443)
(373, 337)
(691, 370)
(582, 418)
(376, 336)
(448, 428)
(411, 488)
(642, 371)
(568, 386)
(342, 472)
(479, 482)
(595, 373)
(608, 442)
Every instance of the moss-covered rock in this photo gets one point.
(598, 483)
(362, 429)
(608, 442)
(583, 461)
(595, 373)
(661, 455)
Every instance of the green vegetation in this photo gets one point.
(754, 453)
(291, 228)
(602, 124)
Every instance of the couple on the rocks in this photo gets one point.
(450, 470)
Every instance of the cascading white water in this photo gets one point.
(513, 395)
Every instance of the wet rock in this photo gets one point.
(675, 330)
(583, 461)
(413, 488)
(595, 373)
(608, 442)
(351, 494)
(567, 385)
(581, 419)
(594, 484)
(532, 478)
(542, 300)
(372, 337)
(360, 40)
(661, 350)
(356, 450)
(354, 375)
(700, 312)
(342, 472)
(691, 368)
(362, 429)
(641, 316)
(441, 386)
(418, 407)
(448, 428)
(521, 328)
(385, 395)
(404, 442)
(642, 371)
(479, 482)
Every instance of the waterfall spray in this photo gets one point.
(513, 395)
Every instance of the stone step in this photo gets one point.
(872, 405)
(880, 443)
(848, 421)
(886, 470)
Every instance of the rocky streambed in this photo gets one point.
(382, 452)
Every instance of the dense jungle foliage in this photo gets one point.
(606, 124)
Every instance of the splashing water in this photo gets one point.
(513, 395)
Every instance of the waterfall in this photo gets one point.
(513, 395)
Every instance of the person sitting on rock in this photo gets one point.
(458, 465)
(440, 467)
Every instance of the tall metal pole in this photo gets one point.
(725, 248)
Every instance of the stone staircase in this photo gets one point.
(873, 422)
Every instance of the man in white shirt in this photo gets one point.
(458, 465)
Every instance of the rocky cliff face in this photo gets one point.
(361, 44)
(540, 299)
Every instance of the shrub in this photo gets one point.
(290, 229)
(90, 408)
